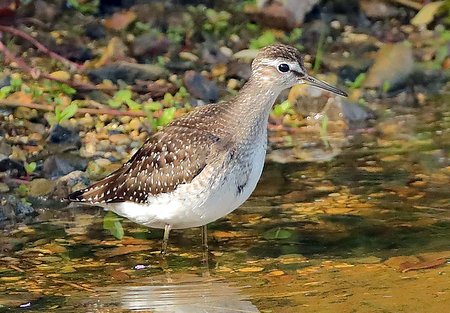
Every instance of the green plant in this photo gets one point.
(216, 21)
(386, 86)
(283, 108)
(22, 190)
(30, 167)
(357, 83)
(293, 38)
(15, 84)
(176, 34)
(66, 113)
(319, 52)
(124, 97)
(167, 115)
(267, 38)
(112, 223)
(84, 6)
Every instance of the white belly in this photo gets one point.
(207, 198)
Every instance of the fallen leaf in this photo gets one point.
(409, 266)
(253, 269)
(120, 20)
(427, 13)
(122, 250)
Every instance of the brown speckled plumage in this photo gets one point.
(168, 158)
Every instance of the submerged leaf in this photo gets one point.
(112, 223)
(277, 233)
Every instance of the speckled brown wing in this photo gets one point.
(169, 158)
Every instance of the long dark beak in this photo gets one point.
(323, 85)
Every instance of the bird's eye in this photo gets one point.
(283, 68)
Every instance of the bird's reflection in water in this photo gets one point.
(177, 293)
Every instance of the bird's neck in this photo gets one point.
(251, 107)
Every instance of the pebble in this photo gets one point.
(334, 194)
(253, 269)
(119, 139)
(103, 162)
(233, 84)
(4, 187)
(188, 56)
(134, 124)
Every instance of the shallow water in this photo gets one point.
(367, 231)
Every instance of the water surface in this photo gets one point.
(367, 231)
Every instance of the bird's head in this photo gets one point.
(282, 65)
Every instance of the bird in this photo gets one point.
(206, 163)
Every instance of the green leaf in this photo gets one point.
(112, 223)
(30, 167)
(167, 116)
(58, 114)
(153, 106)
(133, 105)
(267, 38)
(69, 111)
(16, 82)
(386, 86)
(358, 81)
(122, 95)
(277, 234)
(114, 104)
(282, 109)
(5, 91)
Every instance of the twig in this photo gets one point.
(80, 111)
(409, 3)
(39, 46)
(35, 73)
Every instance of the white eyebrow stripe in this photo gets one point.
(293, 65)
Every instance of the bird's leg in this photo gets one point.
(205, 238)
(167, 228)
(205, 245)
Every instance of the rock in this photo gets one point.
(200, 87)
(12, 168)
(40, 187)
(45, 11)
(60, 135)
(5, 81)
(74, 51)
(5, 148)
(127, 72)
(354, 112)
(213, 55)
(12, 208)
(150, 44)
(69, 183)
(377, 8)
(63, 163)
(95, 30)
(393, 65)
(3, 188)
(285, 14)
(239, 70)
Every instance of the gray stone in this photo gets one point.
(12, 208)
(63, 163)
(127, 72)
(200, 87)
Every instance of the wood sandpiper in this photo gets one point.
(205, 164)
